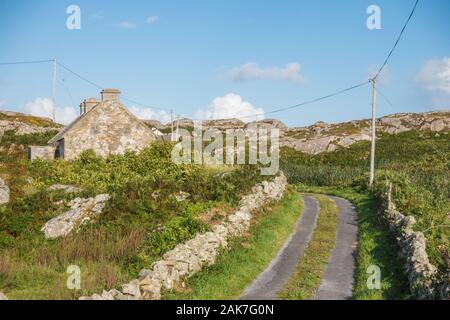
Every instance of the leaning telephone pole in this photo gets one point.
(372, 151)
(54, 91)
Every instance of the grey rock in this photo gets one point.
(4, 192)
(81, 212)
(132, 290)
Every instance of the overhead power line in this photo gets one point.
(398, 40)
(79, 76)
(144, 105)
(384, 97)
(25, 62)
(101, 87)
(318, 99)
(298, 105)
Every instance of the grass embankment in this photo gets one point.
(246, 257)
(142, 220)
(309, 272)
(376, 246)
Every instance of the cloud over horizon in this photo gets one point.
(230, 105)
(150, 114)
(43, 107)
(435, 75)
(251, 71)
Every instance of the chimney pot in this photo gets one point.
(110, 95)
(87, 105)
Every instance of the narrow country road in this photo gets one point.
(338, 280)
(276, 275)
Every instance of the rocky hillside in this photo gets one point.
(317, 138)
(322, 137)
(25, 124)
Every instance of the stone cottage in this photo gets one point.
(105, 126)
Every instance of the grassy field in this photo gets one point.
(142, 220)
(247, 256)
(309, 272)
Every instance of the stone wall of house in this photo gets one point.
(109, 129)
(188, 258)
(424, 279)
(41, 152)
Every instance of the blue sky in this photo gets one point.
(190, 56)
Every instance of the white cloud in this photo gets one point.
(251, 71)
(435, 75)
(127, 25)
(230, 106)
(152, 19)
(150, 114)
(43, 107)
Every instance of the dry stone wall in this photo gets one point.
(188, 258)
(424, 279)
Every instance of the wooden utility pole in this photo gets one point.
(54, 91)
(171, 123)
(374, 136)
(176, 135)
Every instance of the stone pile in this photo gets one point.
(4, 192)
(188, 258)
(81, 212)
(423, 277)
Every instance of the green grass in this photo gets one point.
(141, 222)
(309, 272)
(246, 257)
(376, 246)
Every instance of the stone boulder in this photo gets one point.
(81, 212)
(4, 192)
